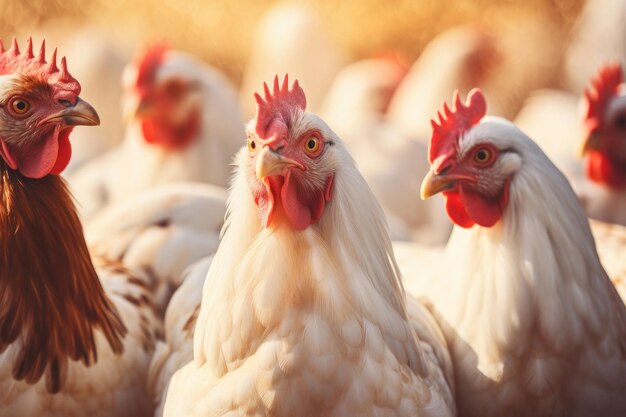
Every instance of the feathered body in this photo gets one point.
(76, 333)
(161, 232)
(305, 314)
(77, 338)
(185, 125)
(534, 324)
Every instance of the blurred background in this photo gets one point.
(221, 32)
(375, 70)
(536, 33)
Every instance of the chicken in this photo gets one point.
(291, 37)
(458, 58)
(534, 325)
(505, 63)
(604, 147)
(355, 107)
(360, 94)
(185, 125)
(76, 333)
(551, 118)
(180, 320)
(599, 35)
(324, 328)
(161, 232)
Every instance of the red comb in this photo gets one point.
(273, 112)
(148, 62)
(12, 61)
(603, 88)
(452, 123)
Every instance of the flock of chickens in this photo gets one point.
(140, 285)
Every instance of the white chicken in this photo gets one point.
(76, 333)
(459, 58)
(291, 37)
(360, 94)
(604, 146)
(597, 133)
(185, 125)
(534, 325)
(161, 232)
(355, 107)
(303, 311)
(599, 36)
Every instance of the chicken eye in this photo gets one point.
(312, 144)
(484, 156)
(20, 106)
(620, 122)
(251, 145)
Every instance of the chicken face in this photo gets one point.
(167, 105)
(471, 169)
(290, 162)
(39, 107)
(604, 148)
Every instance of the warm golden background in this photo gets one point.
(221, 32)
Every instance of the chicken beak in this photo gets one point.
(436, 183)
(144, 108)
(591, 142)
(80, 114)
(270, 163)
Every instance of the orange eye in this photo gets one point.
(251, 145)
(20, 106)
(484, 156)
(312, 144)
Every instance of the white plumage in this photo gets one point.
(137, 164)
(534, 325)
(313, 321)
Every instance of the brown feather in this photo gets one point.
(51, 299)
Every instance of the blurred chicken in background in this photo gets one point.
(291, 38)
(356, 104)
(599, 36)
(184, 124)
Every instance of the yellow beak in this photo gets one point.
(434, 184)
(591, 142)
(80, 114)
(270, 163)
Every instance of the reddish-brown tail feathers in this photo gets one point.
(51, 299)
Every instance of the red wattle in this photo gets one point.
(38, 162)
(467, 207)
(301, 207)
(158, 132)
(485, 212)
(65, 152)
(456, 209)
(603, 170)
